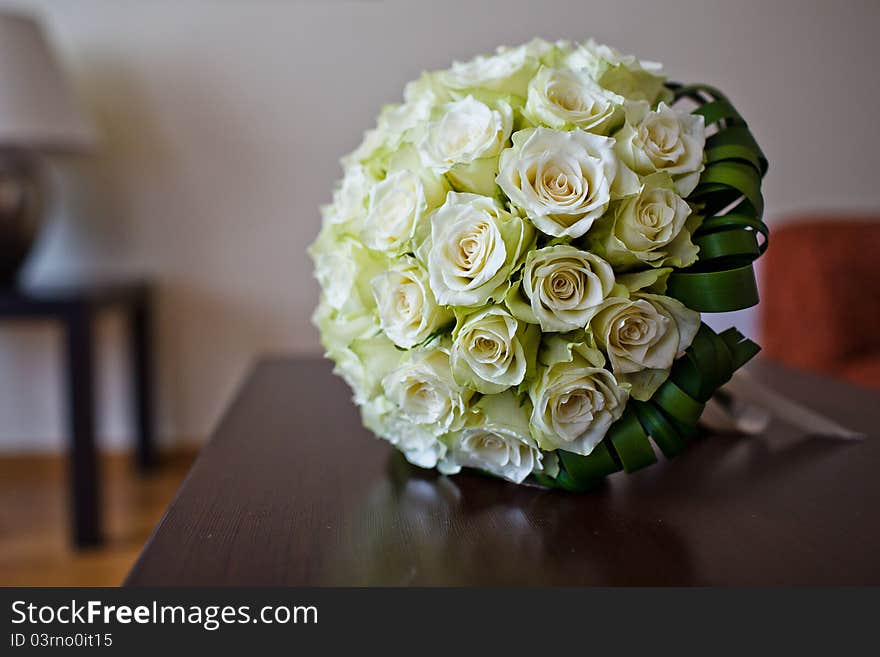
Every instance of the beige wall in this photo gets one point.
(223, 122)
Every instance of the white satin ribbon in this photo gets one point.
(746, 405)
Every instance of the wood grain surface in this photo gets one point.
(291, 490)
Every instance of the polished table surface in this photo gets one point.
(291, 490)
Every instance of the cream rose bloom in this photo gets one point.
(492, 352)
(398, 124)
(423, 389)
(408, 312)
(464, 131)
(473, 250)
(626, 75)
(346, 310)
(361, 360)
(419, 444)
(663, 140)
(395, 208)
(344, 268)
(350, 198)
(564, 99)
(497, 439)
(652, 228)
(563, 181)
(575, 400)
(508, 71)
(563, 287)
(642, 337)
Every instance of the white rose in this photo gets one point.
(506, 72)
(626, 75)
(362, 356)
(426, 89)
(350, 198)
(562, 180)
(343, 337)
(397, 123)
(425, 392)
(564, 287)
(497, 439)
(665, 140)
(575, 400)
(396, 206)
(365, 364)
(419, 445)
(642, 337)
(408, 312)
(346, 315)
(336, 273)
(344, 268)
(341, 329)
(474, 248)
(541, 48)
(491, 351)
(652, 227)
(464, 131)
(563, 99)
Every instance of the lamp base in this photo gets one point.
(21, 205)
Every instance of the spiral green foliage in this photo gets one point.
(723, 278)
(731, 237)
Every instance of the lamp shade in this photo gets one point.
(37, 109)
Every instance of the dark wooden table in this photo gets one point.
(291, 490)
(76, 307)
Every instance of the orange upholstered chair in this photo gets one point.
(820, 297)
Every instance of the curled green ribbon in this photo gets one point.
(732, 236)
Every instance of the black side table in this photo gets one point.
(76, 308)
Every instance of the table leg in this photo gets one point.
(142, 371)
(84, 474)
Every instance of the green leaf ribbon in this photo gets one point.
(733, 234)
(730, 238)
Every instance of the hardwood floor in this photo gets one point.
(34, 545)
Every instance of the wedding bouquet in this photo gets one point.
(515, 261)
